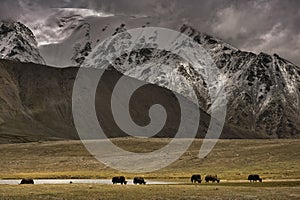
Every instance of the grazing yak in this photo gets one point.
(254, 178)
(212, 178)
(27, 181)
(119, 179)
(196, 178)
(139, 180)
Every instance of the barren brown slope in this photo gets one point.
(36, 104)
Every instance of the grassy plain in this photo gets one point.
(276, 160)
(198, 191)
(230, 159)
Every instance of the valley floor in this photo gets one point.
(230, 160)
(276, 161)
(199, 191)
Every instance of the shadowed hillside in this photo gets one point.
(36, 105)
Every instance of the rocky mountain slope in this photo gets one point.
(262, 90)
(17, 42)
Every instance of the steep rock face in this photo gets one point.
(18, 43)
(83, 47)
(262, 90)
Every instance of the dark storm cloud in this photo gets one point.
(255, 25)
(272, 26)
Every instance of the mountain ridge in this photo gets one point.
(263, 91)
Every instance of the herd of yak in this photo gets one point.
(140, 180)
(197, 178)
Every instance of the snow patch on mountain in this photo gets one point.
(92, 30)
(18, 43)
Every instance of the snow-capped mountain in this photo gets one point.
(84, 33)
(18, 43)
(263, 91)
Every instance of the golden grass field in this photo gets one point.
(230, 160)
(157, 192)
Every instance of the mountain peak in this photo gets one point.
(208, 41)
(18, 43)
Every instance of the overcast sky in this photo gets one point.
(272, 26)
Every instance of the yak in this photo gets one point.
(119, 179)
(254, 178)
(212, 178)
(196, 178)
(27, 181)
(139, 180)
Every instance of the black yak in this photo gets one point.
(139, 180)
(196, 178)
(119, 179)
(27, 181)
(254, 178)
(212, 178)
